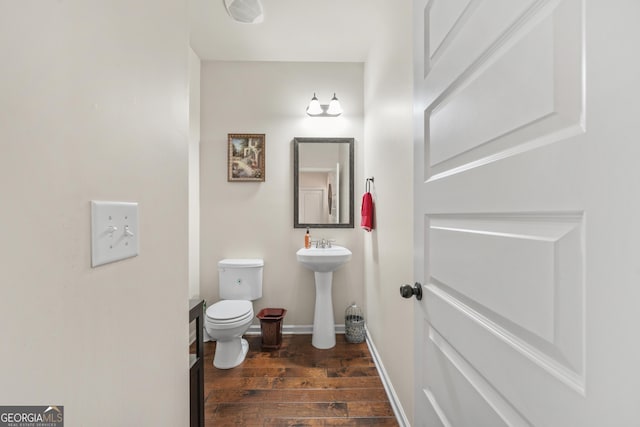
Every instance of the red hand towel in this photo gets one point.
(366, 211)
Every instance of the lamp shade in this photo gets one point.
(314, 107)
(334, 106)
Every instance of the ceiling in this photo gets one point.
(293, 30)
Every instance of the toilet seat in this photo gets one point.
(228, 313)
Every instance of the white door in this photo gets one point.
(311, 206)
(527, 212)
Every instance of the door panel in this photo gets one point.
(514, 268)
(465, 30)
(537, 56)
(495, 92)
(465, 396)
(510, 206)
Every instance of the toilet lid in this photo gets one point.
(228, 310)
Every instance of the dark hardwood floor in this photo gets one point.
(297, 385)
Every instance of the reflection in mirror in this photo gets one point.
(323, 182)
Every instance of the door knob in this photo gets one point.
(407, 291)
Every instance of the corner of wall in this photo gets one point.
(194, 174)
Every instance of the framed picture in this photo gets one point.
(245, 157)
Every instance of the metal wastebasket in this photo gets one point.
(271, 327)
(354, 324)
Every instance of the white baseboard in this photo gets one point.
(292, 330)
(286, 330)
(398, 410)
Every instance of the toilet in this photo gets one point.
(227, 320)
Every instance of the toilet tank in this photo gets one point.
(240, 278)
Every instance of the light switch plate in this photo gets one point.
(114, 231)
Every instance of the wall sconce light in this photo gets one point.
(333, 109)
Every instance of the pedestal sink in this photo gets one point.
(323, 262)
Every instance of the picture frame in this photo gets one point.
(246, 157)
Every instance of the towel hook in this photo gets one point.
(368, 184)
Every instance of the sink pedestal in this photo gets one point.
(323, 262)
(324, 332)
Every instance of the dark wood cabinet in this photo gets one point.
(196, 369)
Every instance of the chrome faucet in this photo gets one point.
(324, 243)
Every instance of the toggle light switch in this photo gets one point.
(114, 231)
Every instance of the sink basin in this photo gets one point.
(323, 260)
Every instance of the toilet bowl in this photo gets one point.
(226, 321)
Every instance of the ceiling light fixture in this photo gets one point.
(315, 109)
(245, 11)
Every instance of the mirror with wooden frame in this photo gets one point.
(323, 182)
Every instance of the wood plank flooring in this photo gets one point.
(297, 385)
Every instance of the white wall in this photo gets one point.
(249, 219)
(194, 174)
(388, 259)
(94, 105)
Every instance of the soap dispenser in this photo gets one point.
(307, 239)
